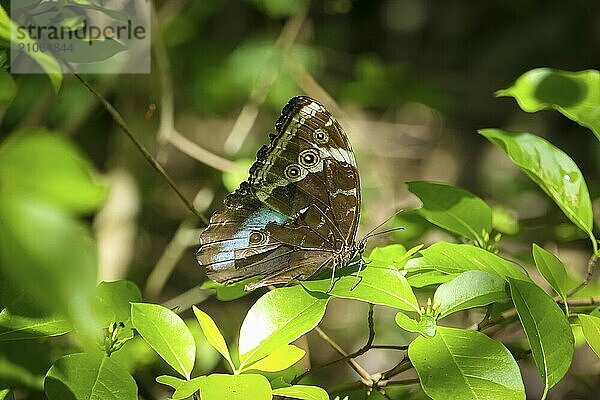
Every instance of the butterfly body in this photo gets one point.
(298, 211)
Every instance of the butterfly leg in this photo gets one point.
(332, 283)
(361, 263)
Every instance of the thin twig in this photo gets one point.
(403, 382)
(125, 128)
(390, 347)
(588, 301)
(345, 387)
(366, 377)
(486, 317)
(402, 366)
(368, 345)
(593, 263)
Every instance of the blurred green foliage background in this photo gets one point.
(411, 81)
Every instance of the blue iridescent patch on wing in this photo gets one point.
(256, 221)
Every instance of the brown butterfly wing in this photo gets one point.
(310, 162)
(299, 208)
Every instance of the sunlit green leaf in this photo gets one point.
(8, 88)
(167, 334)
(574, 94)
(547, 330)
(280, 359)
(113, 304)
(46, 166)
(213, 334)
(391, 254)
(51, 257)
(376, 284)
(235, 387)
(278, 318)
(426, 278)
(453, 209)
(552, 269)
(6, 393)
(302, 392)
(551, 169)
(425, 326)
(461, 364)
(85, 376)
(457, 258)
(169, 380)
(188, 388)
(230, 292)
(23, 319)
(469, 290)
(591, 330)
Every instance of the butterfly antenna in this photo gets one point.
(399, 228)
(383, 223)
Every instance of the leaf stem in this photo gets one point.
(593, 263)
(368, 345)
(366, 377)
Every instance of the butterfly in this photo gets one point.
(298, 211)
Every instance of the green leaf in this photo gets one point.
(573, 94)
(551, 169)
(5, 25)
(5, 392)
(44, 59)
(302, 392)
(8, 88)
(552, 269)
(213, 334)
(183, 388)
(391, 254)
(113, 304)
(280, 359)
(547, 330)
(452, 258)
(23, 319)
(230, 292)
(235, 387)
(169, 380)
(377, 284)
(591, 330)
(188, 388)
(425, 326)
(278, 318)
(47, 167)
(461, 364)
(50, 256)
(469, 290)
(427, 278)
(86, 376)
(167, 334)
(453, 209)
